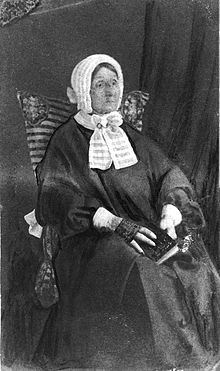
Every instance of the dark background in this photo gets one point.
(180, 71)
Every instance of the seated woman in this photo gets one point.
(101, 184)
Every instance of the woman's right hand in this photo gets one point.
(144, 235)
(103, 220)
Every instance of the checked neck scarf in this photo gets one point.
(109, 143)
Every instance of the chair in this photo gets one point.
(42, 116)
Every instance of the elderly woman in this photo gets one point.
(101, 185)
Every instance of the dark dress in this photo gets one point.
(118, 309)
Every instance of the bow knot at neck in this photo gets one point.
(112, 120)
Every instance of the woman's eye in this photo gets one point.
(100, 85)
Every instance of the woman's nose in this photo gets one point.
(109, 89)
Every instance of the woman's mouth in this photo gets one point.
(110, 101)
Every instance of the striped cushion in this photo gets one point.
(42, 116)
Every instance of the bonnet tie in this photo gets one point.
(109, 143)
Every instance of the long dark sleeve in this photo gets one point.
(66, 199)
(169, 185)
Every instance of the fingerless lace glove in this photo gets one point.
(127, 230)
(105, 221)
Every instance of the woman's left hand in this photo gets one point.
(167, 224)
(170, 218)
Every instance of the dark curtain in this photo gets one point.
(180, 71)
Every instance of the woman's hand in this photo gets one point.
(144, 235)
(167, 224)
(170, 218)
(103, 220)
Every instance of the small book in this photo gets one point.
(165, 247)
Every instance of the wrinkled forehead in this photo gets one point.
(104, 71)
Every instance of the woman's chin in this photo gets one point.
(109, 108)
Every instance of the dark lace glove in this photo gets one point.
(105, 221)
(127, 230)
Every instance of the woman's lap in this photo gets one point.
(124, 305)
(179, 309)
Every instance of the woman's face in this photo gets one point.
(105, 91)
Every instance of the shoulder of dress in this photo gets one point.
(131, 131)
(68, 128)
(137, 135)
(144, 145)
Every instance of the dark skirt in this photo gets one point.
(120, 310)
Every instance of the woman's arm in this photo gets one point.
(68, 210)
(65, 198)
(177, 203)
(105, 221)
(172, 193)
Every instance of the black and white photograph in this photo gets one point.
(110, 257)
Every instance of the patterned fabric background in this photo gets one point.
(14, 9)
(133, 108)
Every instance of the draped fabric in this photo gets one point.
(179, 70)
